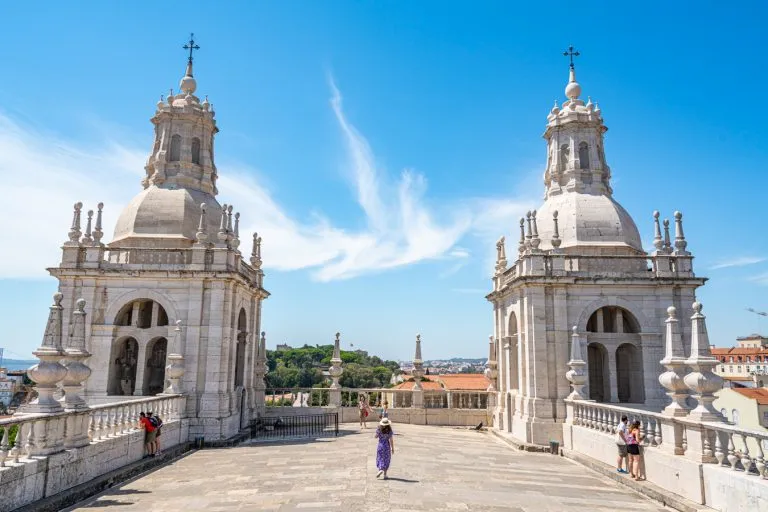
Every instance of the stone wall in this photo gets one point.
(33, 479)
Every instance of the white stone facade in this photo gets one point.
(581, 265)
(172, 283)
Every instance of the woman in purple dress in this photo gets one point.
(385, 448)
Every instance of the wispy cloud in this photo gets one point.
(739, 262)
(760, 279)
(45, 174)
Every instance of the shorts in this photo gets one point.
(622, 450)
(633, 449)
(149, 437)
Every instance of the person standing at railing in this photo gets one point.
(149, 434)
(385, 448)
(384, 410)
(621, 444)
(633, 448)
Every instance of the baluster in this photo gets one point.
(113, 422)
(29, 444)
(719, 455)
(644, 429)
(732, 458)
(16, 450)
(4, 445)
(612, 422)
(600, 423)
(121, 417)
(684, 442)
(760, 460)
(657, 435)
(746, 460)
(92, 425)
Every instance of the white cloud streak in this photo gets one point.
(739, 262)
(45, 174)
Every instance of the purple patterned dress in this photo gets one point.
(383, 450)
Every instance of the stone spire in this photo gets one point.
(667, 244)
(574, 134)
(418, 365)
(556, 235)
(577, 375)
(501, 256)
(702, 381)
(202, 227)
(492, 371)
(256, 252)
(182, 153)
(680, 243)
(76, 354)
(48, 372)
(98, 233)
(87, 236)
(674, 362)
(335, 371)
(236, 232)
(658, 242)
(535, 240)
(74, 230)
(521, 244)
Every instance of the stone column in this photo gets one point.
(674, 362)
(492, 370)
(702, 381)
(141, 367)
(335, 372)
(418, 372)
(48, 372)
(174, 369)
(259, 372)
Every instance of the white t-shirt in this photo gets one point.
(621, 428)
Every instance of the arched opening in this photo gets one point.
(584, 155)
(563, 160)
(629, 374)
(613, 319)
(143, 314)
(154, 372)
(597, 368)
(196, 151)
(175, 148)
(240, 348)
(123, 364)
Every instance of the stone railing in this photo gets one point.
(606, 417)
(736, 448)
(145, 256)
(43, 454)
(396, 398)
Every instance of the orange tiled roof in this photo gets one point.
(739, 379)
(759, 394)
(465, 381)
(429, 385)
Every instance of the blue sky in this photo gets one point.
(382, 147)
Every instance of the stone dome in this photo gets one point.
(164, 217)
(593, 220)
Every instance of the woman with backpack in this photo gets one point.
(156, 422)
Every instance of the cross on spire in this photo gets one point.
(568, 53)
(191, 46)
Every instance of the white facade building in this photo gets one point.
(172, 282)
(581, 263)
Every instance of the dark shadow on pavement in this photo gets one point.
(107, 503)
(405, 480)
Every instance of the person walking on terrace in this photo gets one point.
(364, 409)
(621, 444)
(385, 448)
(384, 410)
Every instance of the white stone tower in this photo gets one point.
(581, 269)
(172, 280)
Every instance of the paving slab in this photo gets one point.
(433, 468)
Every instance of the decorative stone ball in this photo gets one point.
(188, 84)
(672, 311)
(573, 90)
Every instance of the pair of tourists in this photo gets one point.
(385, 447)
(628, 442)
(152, 426)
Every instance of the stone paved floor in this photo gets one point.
(434, 468)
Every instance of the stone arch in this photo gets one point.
(598, 371)
(642, 320)
(613, 319)
(130, 296)
(154, 369)
(564, 155)
(629, 374)
(196, 151)
(144, 312)
(175, 153)
(516, 370)
(583, 155)
(123, 364)
(242, 333)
